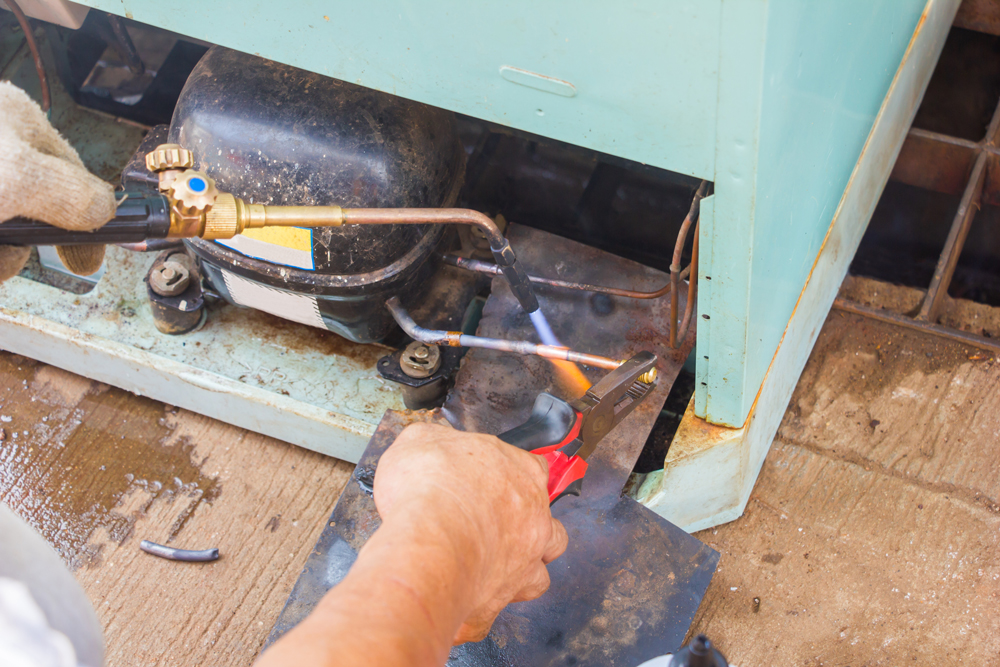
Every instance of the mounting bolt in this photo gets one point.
(170, 278)
(420, 360)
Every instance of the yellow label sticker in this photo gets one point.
(296, 238)
(289, 246)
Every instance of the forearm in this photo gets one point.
(401, 604)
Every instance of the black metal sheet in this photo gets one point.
(630, 582)
(353, 521)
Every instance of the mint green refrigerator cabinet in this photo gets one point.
(795, 109)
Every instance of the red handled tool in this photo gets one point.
(567, 433)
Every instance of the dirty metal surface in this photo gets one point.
(629, 584)
(244, 367)
(293, 382)
(979, 15)
(247, 368)
(353, 521)
(952, 165)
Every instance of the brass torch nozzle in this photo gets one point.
(231, 216)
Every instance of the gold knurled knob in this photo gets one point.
(193, 192)
(222, 221)
(169, 156)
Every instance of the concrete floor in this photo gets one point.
(872, 535)
(871, 538)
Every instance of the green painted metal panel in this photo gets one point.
(706, 288)
(826, 69)
(726, 242)
(635, 79)
(771, 99)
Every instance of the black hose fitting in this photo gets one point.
(520, 283)
(140, 216)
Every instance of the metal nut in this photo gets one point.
(649, 377)
(170, 278)
(420, 360)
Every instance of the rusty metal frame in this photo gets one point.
(979, 15)
(942, 163)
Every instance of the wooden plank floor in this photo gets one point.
(97, 469)
(871, 538)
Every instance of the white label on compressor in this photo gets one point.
(295, 307)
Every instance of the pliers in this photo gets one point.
(565, 433)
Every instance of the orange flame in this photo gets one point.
(570, 377)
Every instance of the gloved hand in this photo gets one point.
(42, 178)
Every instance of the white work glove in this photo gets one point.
(42, 178)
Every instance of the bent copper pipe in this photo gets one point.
(426, 216)
(458, 339)
(692, 289)
(502, 252)
(480, 266)
(29, 36)
(675, 266)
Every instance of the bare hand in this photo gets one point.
(42, 178)
(490, 500)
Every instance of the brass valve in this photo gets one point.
(168, 161)
(193, 192)
(169, 156)
(199, 209)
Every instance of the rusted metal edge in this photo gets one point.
(942, 163)
(890, 317)
(979, 15)
(945, 269)
(970, 203)
(935, 162)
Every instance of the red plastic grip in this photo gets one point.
(570, 437)
(563, 471)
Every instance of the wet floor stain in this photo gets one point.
(82, 462)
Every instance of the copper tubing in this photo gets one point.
(152, 245)
(480, 266)
(517, 279)
(426, 216)
(458, 339)
(39, 67)
(675, 268)
(692, 289)
(230, 215)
